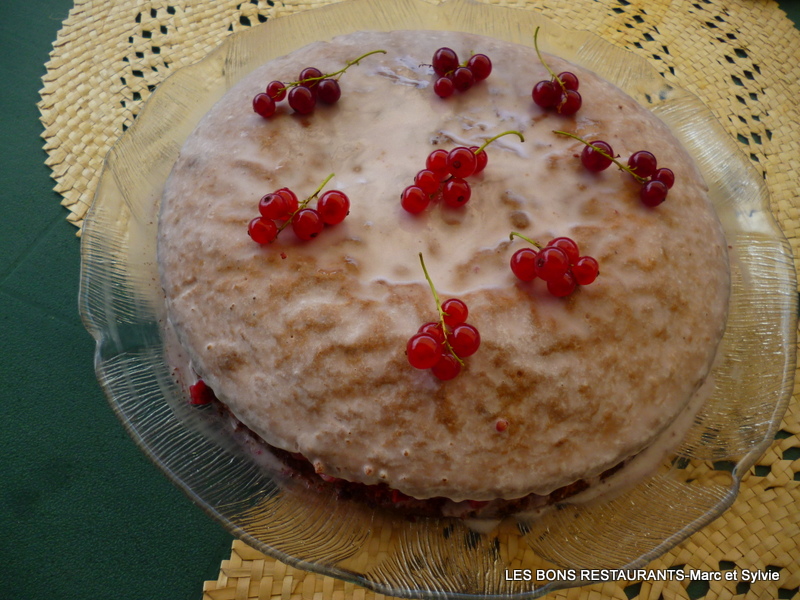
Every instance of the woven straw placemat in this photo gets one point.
(741, 57)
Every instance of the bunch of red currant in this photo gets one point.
(560, 91)
(642, 165)
(445, 176)
(311, 86)
(559, 263)
(441, 346)
(454, 76)
(307, 223)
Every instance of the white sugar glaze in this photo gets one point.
(308, 350)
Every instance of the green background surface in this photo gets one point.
(83, 513)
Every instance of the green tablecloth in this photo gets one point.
(83, 514)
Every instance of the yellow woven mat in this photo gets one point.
(742, 57)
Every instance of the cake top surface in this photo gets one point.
(305, 341)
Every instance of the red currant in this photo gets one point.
(414, 199)
(595, 161)
(501, 425)
(423, 351)
(546, 94)
(447, 368)
(461, 162)
(570, 80)
(434, 330)
(302, 100)
(291, 201)
(653, 193)
(276, 90)
(551, 263)
(463, 79)
(444, 87)
(328, 91)
(445, 60)
(523, 264)
(642, 163)
(569, 246)
(310, 73)
(456, 192)
(665, 176)
(333, 206)
(480, 65)
(585, 270)
(465, 340)
(455, 312)
(273, 206)
(200, 393)
(437, 162)
(307, 224)
(569, 103)
(562, 286)
(481, 159)
(264, 105)
(262, 231)
(427, 180)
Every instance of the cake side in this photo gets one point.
(308, 350)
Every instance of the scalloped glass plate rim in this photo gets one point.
(737, 181)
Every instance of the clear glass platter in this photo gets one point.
(121, 303)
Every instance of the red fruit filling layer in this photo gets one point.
(381, 496)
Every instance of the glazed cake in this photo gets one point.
(304, 342)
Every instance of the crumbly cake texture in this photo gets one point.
(305, 341)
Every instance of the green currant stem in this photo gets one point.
(466, 62)
(541, 59)
(439, 310)
(514, 234)
(499, 135)
(600, 151)
(348, 64)
(305, 202)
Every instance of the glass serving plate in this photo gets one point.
(121, 303)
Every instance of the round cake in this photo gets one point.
(305, 342)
